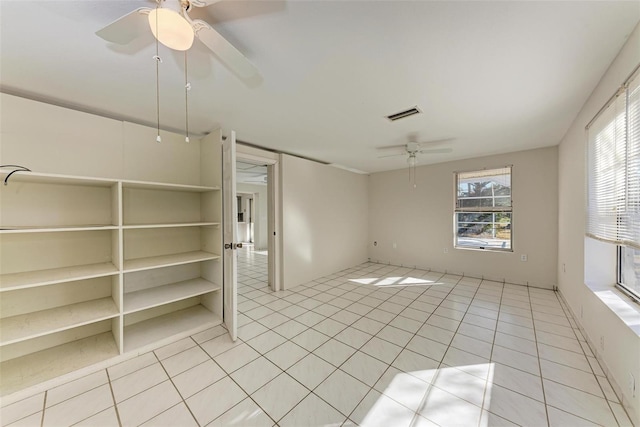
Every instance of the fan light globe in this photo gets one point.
(172, 30)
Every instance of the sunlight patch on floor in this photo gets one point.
(365, 281)
(396, 281)
(432, 396)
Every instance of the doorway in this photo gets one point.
(255, 192)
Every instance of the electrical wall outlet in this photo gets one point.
(602, 343)
(395, 245)
(524, 258)
(564, 267)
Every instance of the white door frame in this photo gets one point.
(229, 236)
(274, 216)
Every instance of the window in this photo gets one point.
(613, 181)
(240, 210)
(629, 270)
(483, 209)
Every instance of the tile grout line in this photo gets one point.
(113, 397)
(253, 400)
(96, 413)
(209, 385)
(44, 408)
(174, 386)
(544, 393)
(493, 344)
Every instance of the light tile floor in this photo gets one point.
(374, 345)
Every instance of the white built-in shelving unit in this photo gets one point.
(93, 268)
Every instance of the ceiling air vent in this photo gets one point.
(403, 114)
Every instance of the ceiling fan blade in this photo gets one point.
(394, 155)
(202, 3)
(224, 50)
(436, 151)
(436, 141)
(126, 28)
(388, 147)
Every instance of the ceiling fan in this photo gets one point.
(171, 25)
(412, 149)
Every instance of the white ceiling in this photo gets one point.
(495, 76)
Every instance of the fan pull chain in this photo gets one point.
(158, 61)
(412, 171)
(187, 88)
(412, 175)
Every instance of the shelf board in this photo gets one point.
(48, 178)
(153, 297)
(30, 279)
(35, 368)
(183, 224)
(144, 185)
(32, 325)
(54, 228)
(149, 263)
(149, 331)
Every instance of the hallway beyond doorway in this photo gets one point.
(252, 274)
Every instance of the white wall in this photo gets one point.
(325, 215)
(52, 139)
(260, 214)
(621, 353)
(420, 220)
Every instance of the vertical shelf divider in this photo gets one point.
(118, 257)
(117, 327)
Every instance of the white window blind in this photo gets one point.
(633, 162)
(487, 190)
(483, 209)
(613, 183)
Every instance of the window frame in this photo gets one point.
(620, 233)
(493, 210)
(627, 290)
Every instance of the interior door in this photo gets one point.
(271, 228)
(230, 221)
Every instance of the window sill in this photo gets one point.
(481, 249)
(619, 303)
